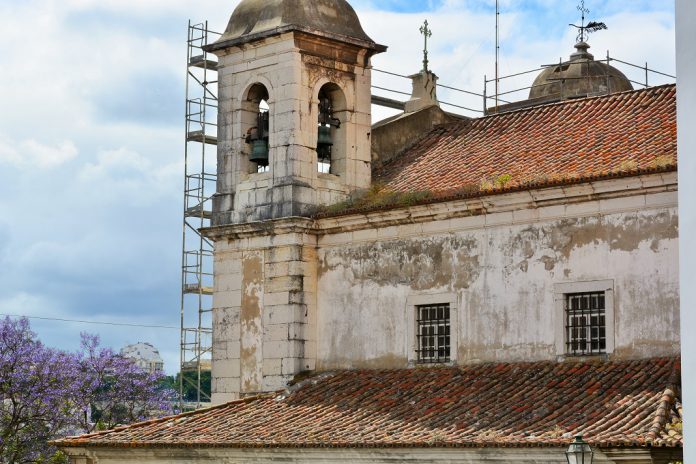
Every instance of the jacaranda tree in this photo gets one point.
(47, 393)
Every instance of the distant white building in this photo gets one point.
(145, 356)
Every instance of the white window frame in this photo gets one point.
(422, 299)
(561, 290)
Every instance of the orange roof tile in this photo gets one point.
(613, 404)
(625, 132)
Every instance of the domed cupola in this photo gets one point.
(581, 76)
(255, 19)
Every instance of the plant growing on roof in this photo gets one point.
(628, 165)
(486, 184)
(502, 180)
(375, 197)
(661, 161)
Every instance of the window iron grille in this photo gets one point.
(585, 323)
(433, 333)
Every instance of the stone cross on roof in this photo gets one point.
(427, 33)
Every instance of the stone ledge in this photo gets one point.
(596, 191)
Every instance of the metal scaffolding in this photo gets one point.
(640, 75)
(200, 176)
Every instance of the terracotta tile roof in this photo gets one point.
(628, 132)
(613, 404)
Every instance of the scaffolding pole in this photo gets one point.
(200, 178)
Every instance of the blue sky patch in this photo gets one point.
(407, 6)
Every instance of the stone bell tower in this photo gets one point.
(294, 130)
(306, 64)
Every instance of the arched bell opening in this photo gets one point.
(331, 134)
(256, 127)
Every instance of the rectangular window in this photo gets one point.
(585, 326)
(433, 333)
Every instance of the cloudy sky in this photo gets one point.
(91, 133)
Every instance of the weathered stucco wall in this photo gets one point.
(502, 268)
(298, 294)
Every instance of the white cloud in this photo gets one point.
(129, 178)
(34, 154)
(112, 161)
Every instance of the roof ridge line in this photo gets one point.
(575, 100)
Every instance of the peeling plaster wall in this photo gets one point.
(297, 294)
(251, 346)
(503, 273)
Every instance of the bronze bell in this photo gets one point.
(324, 143)
(258, 138)
(259, 152)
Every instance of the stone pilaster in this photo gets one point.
(264, 306)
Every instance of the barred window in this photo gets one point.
(585, 323)
(433, 333)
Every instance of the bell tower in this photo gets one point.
(294, 122)
(294, 133)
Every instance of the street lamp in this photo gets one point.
(579, 452)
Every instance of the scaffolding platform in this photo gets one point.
(196, 289)
(201, 137)
(202, 62)
(198, 212)
(193, 366)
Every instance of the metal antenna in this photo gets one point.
(497, 51)
(427, 33)
(585, 30)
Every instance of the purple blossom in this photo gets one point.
(46, 393)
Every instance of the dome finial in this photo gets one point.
(582, 52)
(584, 31)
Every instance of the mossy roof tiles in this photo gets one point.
(612, 403)
(628, 132)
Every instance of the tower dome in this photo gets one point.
(255, 19)
(581, 76)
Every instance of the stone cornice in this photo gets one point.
(482, 205)
(282, 226)
(224, 44)
(516, 201)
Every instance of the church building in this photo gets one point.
(432, 288)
